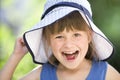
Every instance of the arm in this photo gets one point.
(19, 51)
(34, 74)
(112, 74)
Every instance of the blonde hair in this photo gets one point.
(70, 22)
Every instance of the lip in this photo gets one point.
(70, 56)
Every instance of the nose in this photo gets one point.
(68, 43)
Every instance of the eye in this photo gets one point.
(59, 37)
(77, 34)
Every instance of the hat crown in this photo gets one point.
(83, 3)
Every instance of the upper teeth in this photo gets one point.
(69, 52)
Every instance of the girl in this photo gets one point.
(67, 43)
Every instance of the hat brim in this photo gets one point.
(34, 42)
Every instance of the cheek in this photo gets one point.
(55, 46)
(83, 45)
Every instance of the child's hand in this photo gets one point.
(20, 48)
(19, 51)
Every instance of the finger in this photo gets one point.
(21, 41)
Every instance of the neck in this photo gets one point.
(82, 70)
(84, 64)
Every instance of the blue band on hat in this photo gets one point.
(70, 4)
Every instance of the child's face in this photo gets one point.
(70, 47)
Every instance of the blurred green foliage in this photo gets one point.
(106, 15)
(17, 17)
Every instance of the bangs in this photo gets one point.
(73, 21)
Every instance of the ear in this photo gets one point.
(90, 34)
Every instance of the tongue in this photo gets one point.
(70, 56)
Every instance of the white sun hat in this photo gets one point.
(55, 10)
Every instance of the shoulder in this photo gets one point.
(112, 73)
(34, 74)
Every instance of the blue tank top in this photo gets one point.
(97, 72)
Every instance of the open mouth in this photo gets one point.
(70, 55)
